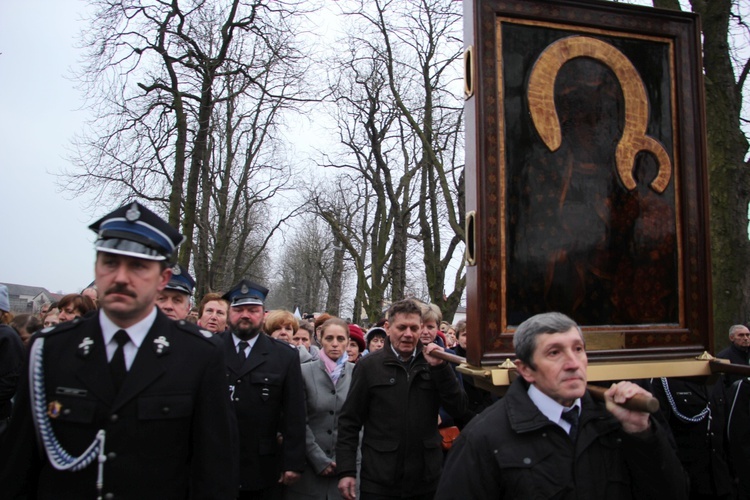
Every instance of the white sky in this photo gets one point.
(45, 241)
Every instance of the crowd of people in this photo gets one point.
(128, 391)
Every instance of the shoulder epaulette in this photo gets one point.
(186, 326)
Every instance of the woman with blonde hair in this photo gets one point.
(281, 325)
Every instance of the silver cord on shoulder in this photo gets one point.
(58, 457)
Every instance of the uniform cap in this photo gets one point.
(136, 231)
(246, 293)
(181, 280)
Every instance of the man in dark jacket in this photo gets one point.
(125, 403)
(548, 439)
(738, 352)
(395, 395)
(265, 383)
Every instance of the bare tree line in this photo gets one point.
(192, 99)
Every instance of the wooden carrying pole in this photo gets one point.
(639, 402)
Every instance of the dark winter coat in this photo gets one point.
(512, 451)
(398, 407)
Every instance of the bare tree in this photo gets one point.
(417, 48)
(187, 97)
(370, 209)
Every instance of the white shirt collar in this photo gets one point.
(250, 342)
(551, 408)
(136, 332)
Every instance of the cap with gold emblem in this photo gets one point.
(246, 293)
(136, 231)
(181, 280)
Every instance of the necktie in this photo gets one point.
(571, 417)
(117, 364)
(241, 346)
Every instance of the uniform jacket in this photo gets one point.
(269, 403)
(512, 451)
(167, 430)
(701, 446)
(737, 356)
(398, 407)
(324, 402)
(738, 431)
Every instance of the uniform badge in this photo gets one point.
(206, 333)
(176, 270)
(133, 214)
(53, 409)
(244, 289)
(161, 345)
(84, 348)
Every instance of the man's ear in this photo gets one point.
(525, 371)
(166, 275)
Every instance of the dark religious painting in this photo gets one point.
(586, 183)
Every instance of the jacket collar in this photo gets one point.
(524, 416)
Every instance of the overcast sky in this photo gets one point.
(45, 241)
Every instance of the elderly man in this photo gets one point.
(395, 395)
(125, 403)
(548, 439)
(265, 383)
(738, 351)
(174, 300)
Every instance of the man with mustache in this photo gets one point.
(546, 438)
(265, 384)
(125, 403)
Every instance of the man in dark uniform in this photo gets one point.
(174, 300)
(265, 383)
(125, 403)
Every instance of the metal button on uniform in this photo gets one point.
(165, 410)
(239, 381)
(109, 496)
(236, 399)
(66, 411)
(527, 460)
(393, 380)
(111, 455)
(114, 418)
(265, 379)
